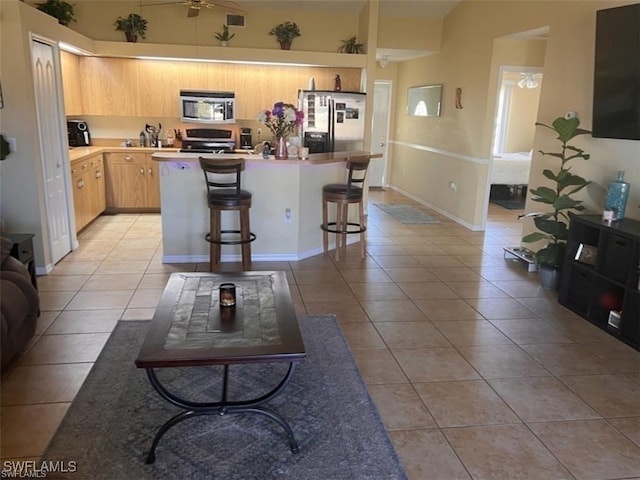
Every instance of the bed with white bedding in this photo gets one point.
(511, 168)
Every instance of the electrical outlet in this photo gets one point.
(13, 146)
(259, 131)
(287, 215)
(570, 115)
(453, 187)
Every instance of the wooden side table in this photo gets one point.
(23, 250)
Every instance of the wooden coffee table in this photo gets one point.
(190, 328)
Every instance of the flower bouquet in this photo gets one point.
(282, 121)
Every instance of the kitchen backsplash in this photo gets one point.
(114, 130)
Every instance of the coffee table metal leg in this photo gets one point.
(223, 407)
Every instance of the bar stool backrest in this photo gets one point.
(216, 173)
(357, 172)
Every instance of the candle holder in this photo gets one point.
(227, 295)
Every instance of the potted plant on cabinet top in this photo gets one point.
(351, 45)
(553, 225)
(133, 26)
(225, 36)
(285, 33)
(59, 9)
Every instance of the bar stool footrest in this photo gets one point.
(326, 228)
(252, 237)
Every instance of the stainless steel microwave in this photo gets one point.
(199, 106)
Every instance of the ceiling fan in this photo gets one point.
(196, 5)
(529, 80)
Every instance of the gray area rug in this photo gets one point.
(510, 204)
(406, 213)
(110, 425)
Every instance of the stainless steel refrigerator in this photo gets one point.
(333, 121)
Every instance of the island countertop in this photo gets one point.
(314, 158)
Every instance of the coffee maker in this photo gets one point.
(78, 133)
(245, 139)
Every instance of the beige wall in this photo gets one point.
(169, 24)
(426, 148)
(523, 113)
(410, 33)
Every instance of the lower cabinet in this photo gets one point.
(601, 275)
(88, 179)
(132, 182)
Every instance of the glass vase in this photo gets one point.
(281, 149)
(617, 195)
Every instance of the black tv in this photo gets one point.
(616, 86)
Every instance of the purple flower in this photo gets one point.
(282, 120)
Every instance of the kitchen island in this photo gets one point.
(286, 210)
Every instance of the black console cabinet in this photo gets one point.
(601, 275)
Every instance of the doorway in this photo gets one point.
(46, 79)
(380, 133)
(513, 134)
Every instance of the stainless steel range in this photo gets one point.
(208, 140)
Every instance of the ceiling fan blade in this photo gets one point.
(193, 11)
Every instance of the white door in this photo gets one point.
(52, 145)
(379, 140)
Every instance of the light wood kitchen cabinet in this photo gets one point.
(132, 182)
(150, 88)
(89, 200)
(71, 84)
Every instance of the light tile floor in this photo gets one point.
(477, 371)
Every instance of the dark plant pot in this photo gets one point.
(131, 37)
(549, 277)
(285, 45)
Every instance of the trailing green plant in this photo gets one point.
(225, 36)
(285, 33)
(553, 226)
(59, 9)
(133, 26)
(351, 45)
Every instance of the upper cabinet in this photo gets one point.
(150, 88)
(70, 65)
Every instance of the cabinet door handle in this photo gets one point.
(128, 158)
(142, 170)
(80, 183)
(150, 172)
(98, 174)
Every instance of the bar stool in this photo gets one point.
(343, 195)
(224, 192)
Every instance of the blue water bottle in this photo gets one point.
(266, 150)
(617, 195)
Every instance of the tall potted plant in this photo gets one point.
(285, 33)
(133, 26)
(553, 225)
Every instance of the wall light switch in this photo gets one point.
(13, 146)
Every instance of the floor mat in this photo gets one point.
(406, 213)
(510, 204)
